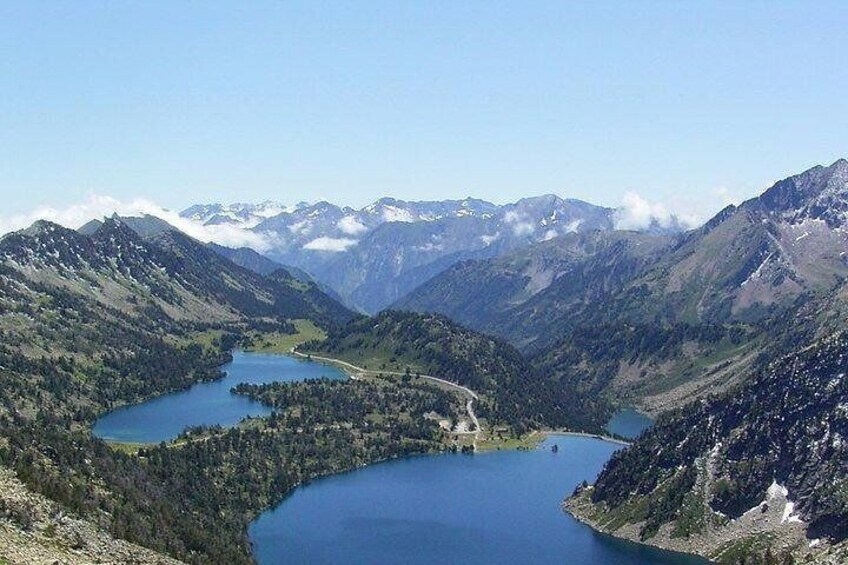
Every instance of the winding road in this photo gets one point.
(469, 404)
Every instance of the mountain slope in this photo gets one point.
(92, 322)
(251, 260)
(527, 295)
(758, 258)
(747, 263)
(687, 314)
(511, 391)
(763, 468)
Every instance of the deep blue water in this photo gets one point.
(494, 508)
(165, 417)
(629, 423)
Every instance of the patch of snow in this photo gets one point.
(572, 227)
(788, 514)
(756, 274)
(395, 214)
(269, 209)
(776, 490)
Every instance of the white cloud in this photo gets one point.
(636, 213)
(520, 224)
(351, 226)
(523, 228)
(692, 208)
(726, 198)
(332, 244)
(550, 234)
(511, 217)
(300, 227)
(100, 206)
(489, 239)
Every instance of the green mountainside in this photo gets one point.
(512, 392)
(92, 322)
(658, 320)
(523, 296)
(761, 468)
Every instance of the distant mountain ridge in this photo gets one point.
(239, 213)
(745, 263)
(374, 255)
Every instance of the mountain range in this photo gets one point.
(696, 301)
(374, 255)
(93, 321)
(733, 333)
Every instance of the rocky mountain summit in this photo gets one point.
(239, 214)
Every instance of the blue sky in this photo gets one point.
(179, 102)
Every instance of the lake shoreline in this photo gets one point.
(533, 442)
(577, 507)
(354, 372)
(129, 426)
(269, 541)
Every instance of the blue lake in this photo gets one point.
(629, 423)
(165, 417)
(493, 508)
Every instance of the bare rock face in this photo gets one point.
(35, 530)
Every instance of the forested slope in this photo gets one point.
(514, 393)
